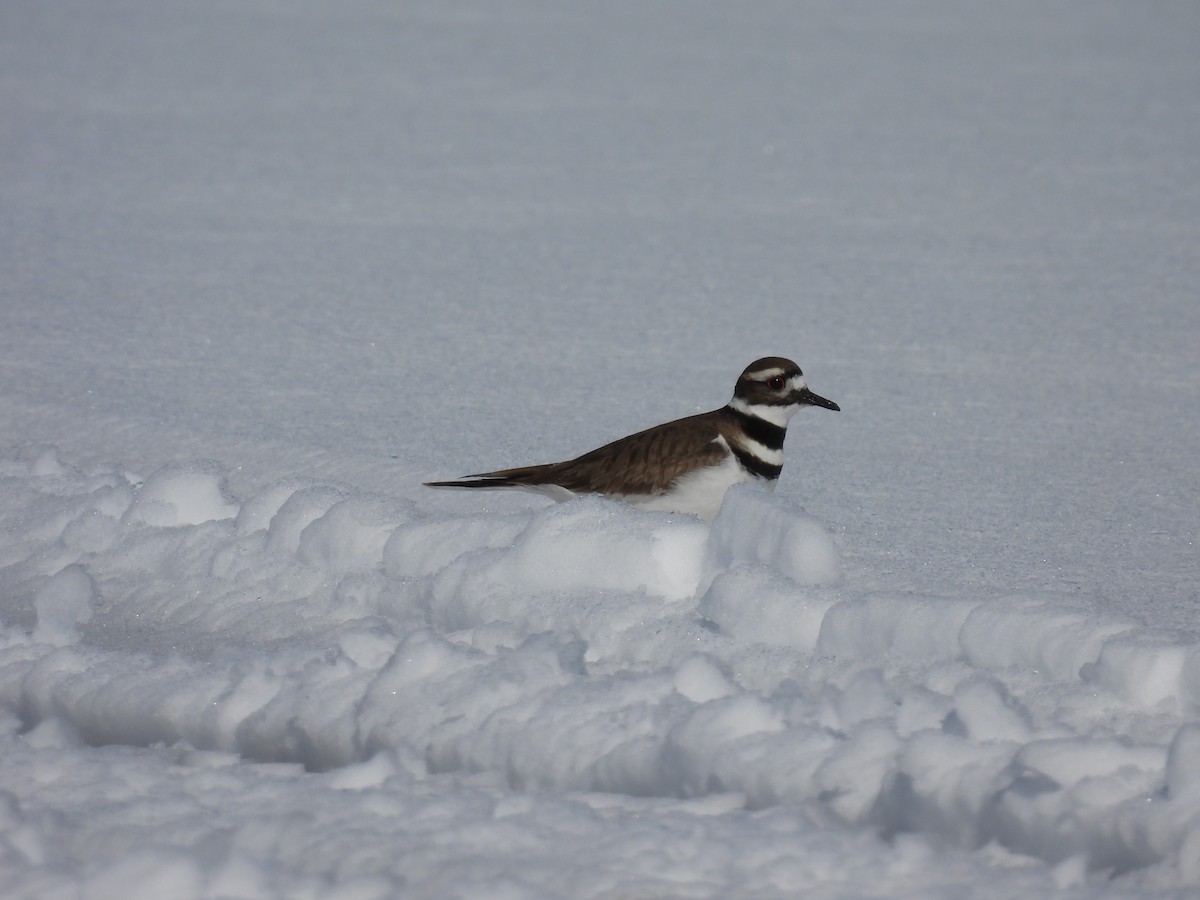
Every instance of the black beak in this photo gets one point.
(807, 396)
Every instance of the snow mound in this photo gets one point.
(587, 544)
(63, 603)
(753, 526)
(182, 494)
(585, 649)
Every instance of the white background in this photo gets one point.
(266, 266)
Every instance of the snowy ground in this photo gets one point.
(266, 266)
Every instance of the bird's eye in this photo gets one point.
(776, 383)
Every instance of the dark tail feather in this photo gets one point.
(472, 481)
(520, 477)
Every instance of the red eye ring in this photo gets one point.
(776, 383)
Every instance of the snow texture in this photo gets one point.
(268, 266)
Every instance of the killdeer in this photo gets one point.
(683, 466)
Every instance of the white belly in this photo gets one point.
(699, 493)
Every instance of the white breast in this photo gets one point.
(700, 493)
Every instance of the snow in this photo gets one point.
(269, 266)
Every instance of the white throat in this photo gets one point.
(776, 415)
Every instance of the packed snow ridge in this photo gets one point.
(588, 647)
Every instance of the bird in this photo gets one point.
(684, 466)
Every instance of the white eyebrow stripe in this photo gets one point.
(766, 374)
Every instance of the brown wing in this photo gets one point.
(642, 464)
